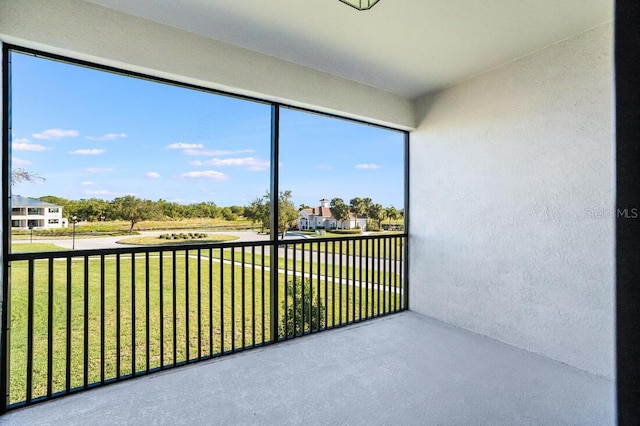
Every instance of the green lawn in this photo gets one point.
(204, 304)
(370, 275)
(34, 247)
(383, 248)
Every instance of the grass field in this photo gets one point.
(146, 308)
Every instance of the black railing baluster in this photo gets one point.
(85, 368)
(326, 285)
(263, 279)
(340, 287)
(161, 300)
(243, 311)
(385, 294)
(210, 301)
(102, 314)
(221, 300)
(30, 284)
(146, 311)
(50, 329)
(199, 254)
(353, 287)
(174, 307)
(347, 259)
(378, 277)
(302, 310)
(360, 278)
(133, 314)
(310, 295)
(253, 295)
(68, 341)
(318, 323)
(118, 331)
(366, 281)
(333, 283)
(404, 299)
(395, 274)
(233, 299)
(187, 339)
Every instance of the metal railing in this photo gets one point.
(80, 319)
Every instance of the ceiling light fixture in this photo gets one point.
(361, 4)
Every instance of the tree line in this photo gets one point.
(134, 209)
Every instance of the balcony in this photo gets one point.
(81, 319)
(400, 369)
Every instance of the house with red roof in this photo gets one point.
(322, 217)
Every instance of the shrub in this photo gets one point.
(347, 231)
(294, 304)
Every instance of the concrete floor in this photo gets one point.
(403, 369)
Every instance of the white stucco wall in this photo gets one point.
(509, 173)
(90, 32)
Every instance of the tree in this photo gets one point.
(91, 209)
(339, 210)
(228, 214)
(21, 175)
(237, 210)
(391, 213)
(308, 311)
(287, 212)
(133, 210)
(376, 212)
(258, 211)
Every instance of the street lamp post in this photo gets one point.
(73, 237)
(31, 229)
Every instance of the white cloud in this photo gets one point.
(368, 166)
(152, 175)
(93, 151)
(87, 183)
(214, 152)
(25, 146)
(97, 192)
(107, 137)
(205, 174)
(20, 140)
(15, 161)
(182, 145)
(250, 163)
(98, 169)
(56, 134)
(324, 167)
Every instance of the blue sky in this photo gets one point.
(93, 134)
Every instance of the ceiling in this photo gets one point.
(406, 47)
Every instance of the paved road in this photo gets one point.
(112, 242)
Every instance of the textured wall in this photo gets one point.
(512, 233)
(86, 31)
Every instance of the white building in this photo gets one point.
(28, 213)
(322, 217)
